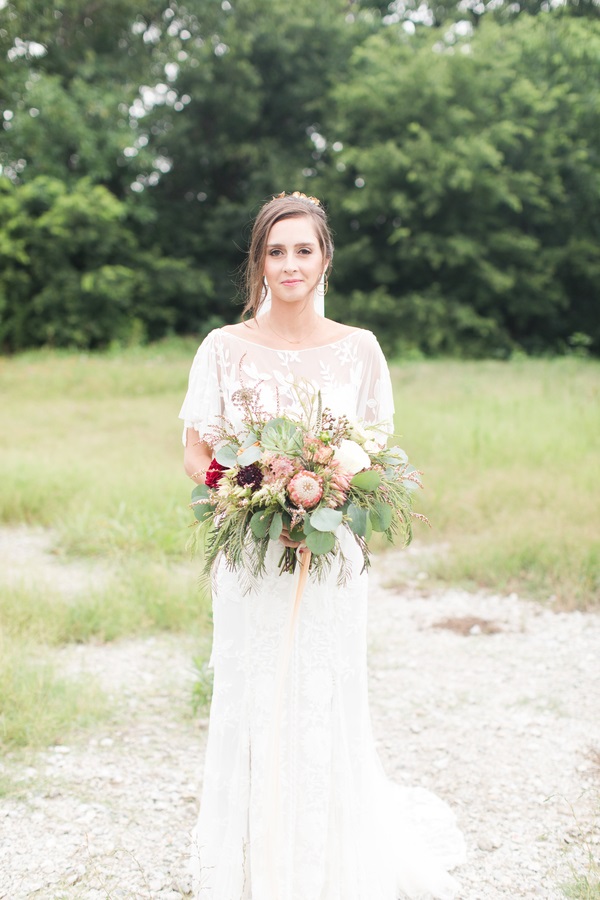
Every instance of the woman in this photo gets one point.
(295, 805)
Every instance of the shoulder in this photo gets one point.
(368, 341)
(215, 337)
(240, 329)
(336, 332)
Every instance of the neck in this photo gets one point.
(293, 325)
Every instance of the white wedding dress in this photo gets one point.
(295, 804)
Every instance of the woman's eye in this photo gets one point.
(274, 252)
(305, 250)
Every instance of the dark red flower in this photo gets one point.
(250, 476)
(214, 473)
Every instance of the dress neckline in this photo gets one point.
(292, 349)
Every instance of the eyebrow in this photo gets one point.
(299, 244)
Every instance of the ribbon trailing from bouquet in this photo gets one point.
(273, 807)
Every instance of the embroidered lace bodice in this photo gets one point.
(351, 374)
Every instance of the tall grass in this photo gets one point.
(510, 456)
(38, 706)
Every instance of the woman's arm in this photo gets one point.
(197, 456)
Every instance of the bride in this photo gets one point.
(295, 804)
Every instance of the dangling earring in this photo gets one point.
(325, 283)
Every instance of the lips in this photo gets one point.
(291, 281)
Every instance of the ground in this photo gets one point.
(493, 702)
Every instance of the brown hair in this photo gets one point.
(290, 206)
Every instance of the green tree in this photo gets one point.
(72, 273)
(469, 187)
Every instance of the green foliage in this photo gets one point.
(455, 145)
(72, 274)
(470, 186)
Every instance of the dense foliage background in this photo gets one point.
(456, 146)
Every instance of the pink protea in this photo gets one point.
(316, 450)
(281, 466)
(305, 489)
(340, 479)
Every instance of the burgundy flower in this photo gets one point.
(250, 476)
(214, 473)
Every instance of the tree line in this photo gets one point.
(455, 146)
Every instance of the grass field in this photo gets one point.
(510, 453)
(90, 447)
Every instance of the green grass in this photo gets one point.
(38, 706)
(582, 888)
(138, 597)
(510, 457)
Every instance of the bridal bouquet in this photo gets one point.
(310, 474)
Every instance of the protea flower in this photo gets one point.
(305, 489)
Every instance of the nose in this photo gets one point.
(290, 264)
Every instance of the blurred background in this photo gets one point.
(456, 147)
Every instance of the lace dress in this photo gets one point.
(295, 804)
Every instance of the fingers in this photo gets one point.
(286, 540)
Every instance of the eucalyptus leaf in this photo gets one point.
(381, 516)
(260, 523)
(308, 528)
(367, 481)
(319, 542)
(251, 439)
(410, 485)
(227, 455)
(357, 519)
(326, 519)
(276, 526)
(201, 511)
(249, 456)
(297, 534)
(395, 456)
(201, 492)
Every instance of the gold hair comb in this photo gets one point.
(299, 195)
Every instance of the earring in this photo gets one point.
(325, 283)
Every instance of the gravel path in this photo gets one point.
(492, 702)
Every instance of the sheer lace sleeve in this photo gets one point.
(375, 398)
(203, 404)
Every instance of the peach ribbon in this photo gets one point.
(273, 835)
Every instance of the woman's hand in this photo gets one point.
(286, 540)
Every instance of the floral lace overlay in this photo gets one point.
(295, 805)
(351, 374)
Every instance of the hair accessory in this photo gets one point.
(299, 195)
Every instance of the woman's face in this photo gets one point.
(294, 262)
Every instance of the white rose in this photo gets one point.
(351, 458)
